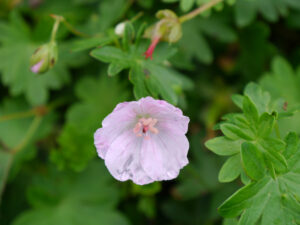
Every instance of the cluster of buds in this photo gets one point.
(168, 28)
(44, 58)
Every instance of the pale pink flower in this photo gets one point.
(144, 141)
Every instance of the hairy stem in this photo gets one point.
(31, 131)
(55, 28)
(18, 115)
(198, 11)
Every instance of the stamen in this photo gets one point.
(143, 125)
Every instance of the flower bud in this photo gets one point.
(168, 28)
(44, 58)
(119, 29)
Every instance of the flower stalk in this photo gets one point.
(198, 11)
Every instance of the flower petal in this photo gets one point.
(121, 119)
(168, 116)
(163, 155)
(123, 159)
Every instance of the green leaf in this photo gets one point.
(186, 5)
(270, 201)
(5, 164)
(245, 12)
(253, 161)
(260, 98)
(115, 68)
(272, 149)
(235, 204)
(88, 43)
(137, 77)
(292, 145)
(238, 100)
(12, 133)
(230, 221)
(17, 45)
(250, 111)
(283, 82)
(234, 132)
(254, 44)
(231, 169)
(195, 32)
(128, 35)
(75, 199)
(158, 79)
(266, 124)
(223, 146)
(111, 54)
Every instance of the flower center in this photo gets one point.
(143, 126)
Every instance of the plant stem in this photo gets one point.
(5, 175)
(68, 26)
(18, 115)
(73, 30)
(55, 28)
(277, 130)
(33, 127)
(198, 11)
(135, 18)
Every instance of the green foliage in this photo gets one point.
(246, 10)
(48, 168)
(83, 118)
(283, 82)
(187, 5)
(17, 45)
(148, 77)
(272, 164)
(64, 198)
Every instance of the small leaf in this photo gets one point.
(272, 149)
(186, 5)
(128, 35)
(223, 146)
(245, 12)
(238, 100)
(292, 145)
(88, 43)
(253, 161)
(231, 169)
(236, 203)
(234, 132)
(137, 77)
(260, 98)
(110, 54)
(266, 124)
(250, 111)
(115, 68)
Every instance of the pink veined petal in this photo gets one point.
(163, 155)
(123, 159)
(123, 118)
(167, 114)
(121, 115)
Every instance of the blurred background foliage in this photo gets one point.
(49, 171)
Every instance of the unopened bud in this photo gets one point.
(168, 28)
(44, 58)
(119, 29)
